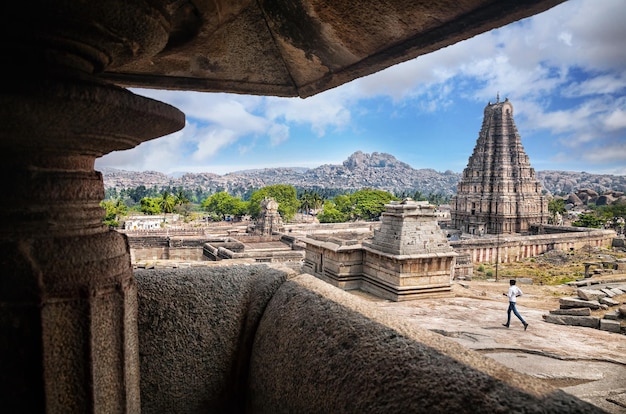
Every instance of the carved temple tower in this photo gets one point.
(498, 192)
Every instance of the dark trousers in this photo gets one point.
(514, 309)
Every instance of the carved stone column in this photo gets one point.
(68, 303)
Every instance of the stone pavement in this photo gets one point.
(585, 362)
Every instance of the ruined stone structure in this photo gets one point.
(269, 221)
(69, 336)
(408, 257)
(498, 192)
(514, 248)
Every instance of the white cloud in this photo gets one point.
(611, 153)
(321, 112)
(278, 134)
(599, 85)
(615, 120)
(210, 141)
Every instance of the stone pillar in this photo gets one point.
(68, 301)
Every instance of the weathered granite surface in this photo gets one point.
(251, 339)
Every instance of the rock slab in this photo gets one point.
(586, 321)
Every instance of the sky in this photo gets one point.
(563, 70)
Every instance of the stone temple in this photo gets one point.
(498, 192)
(408, 256)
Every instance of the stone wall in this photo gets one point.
(511, 248)
(336, 262)
(165, 247)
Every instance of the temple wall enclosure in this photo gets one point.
(513, 248)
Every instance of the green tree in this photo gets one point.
(556, 206)
(369, 204)
(285, 196)
(167, 202)
(589, 220)
(418, 196)
(223, 204)
(150, 206)
(114, 209)
(310, 200)
(181, 198)
(330, 214)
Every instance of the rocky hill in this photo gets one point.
(360, 170)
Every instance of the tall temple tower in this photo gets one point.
(498, 192)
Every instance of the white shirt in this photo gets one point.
(514, 291)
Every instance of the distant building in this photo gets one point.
(154, 222)
(498, 192)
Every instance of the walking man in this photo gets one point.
(513, 293)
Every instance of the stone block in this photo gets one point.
(609, 302)
(608, 292)
(617, 291)
(612, 315)
(622, 311)
(568, 303)
(572, 312)
(586, 321)
(590, 294)
(610, 325)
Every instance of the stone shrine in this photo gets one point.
(408, 257)
(498, 192)
(269, 221)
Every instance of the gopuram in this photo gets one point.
(498, 192)
(408, 256)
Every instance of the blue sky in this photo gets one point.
(564, 71)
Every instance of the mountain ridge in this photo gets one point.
(360, 170)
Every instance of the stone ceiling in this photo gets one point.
(303, 47)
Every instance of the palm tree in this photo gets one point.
(305, 202)
(183, 201)
(167, 202)
(181, 198)
(317, 201)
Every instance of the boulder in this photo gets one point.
(622, 311)
(587, 195)
(605, 200)
(574, 200)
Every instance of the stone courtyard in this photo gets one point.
(587, 363)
